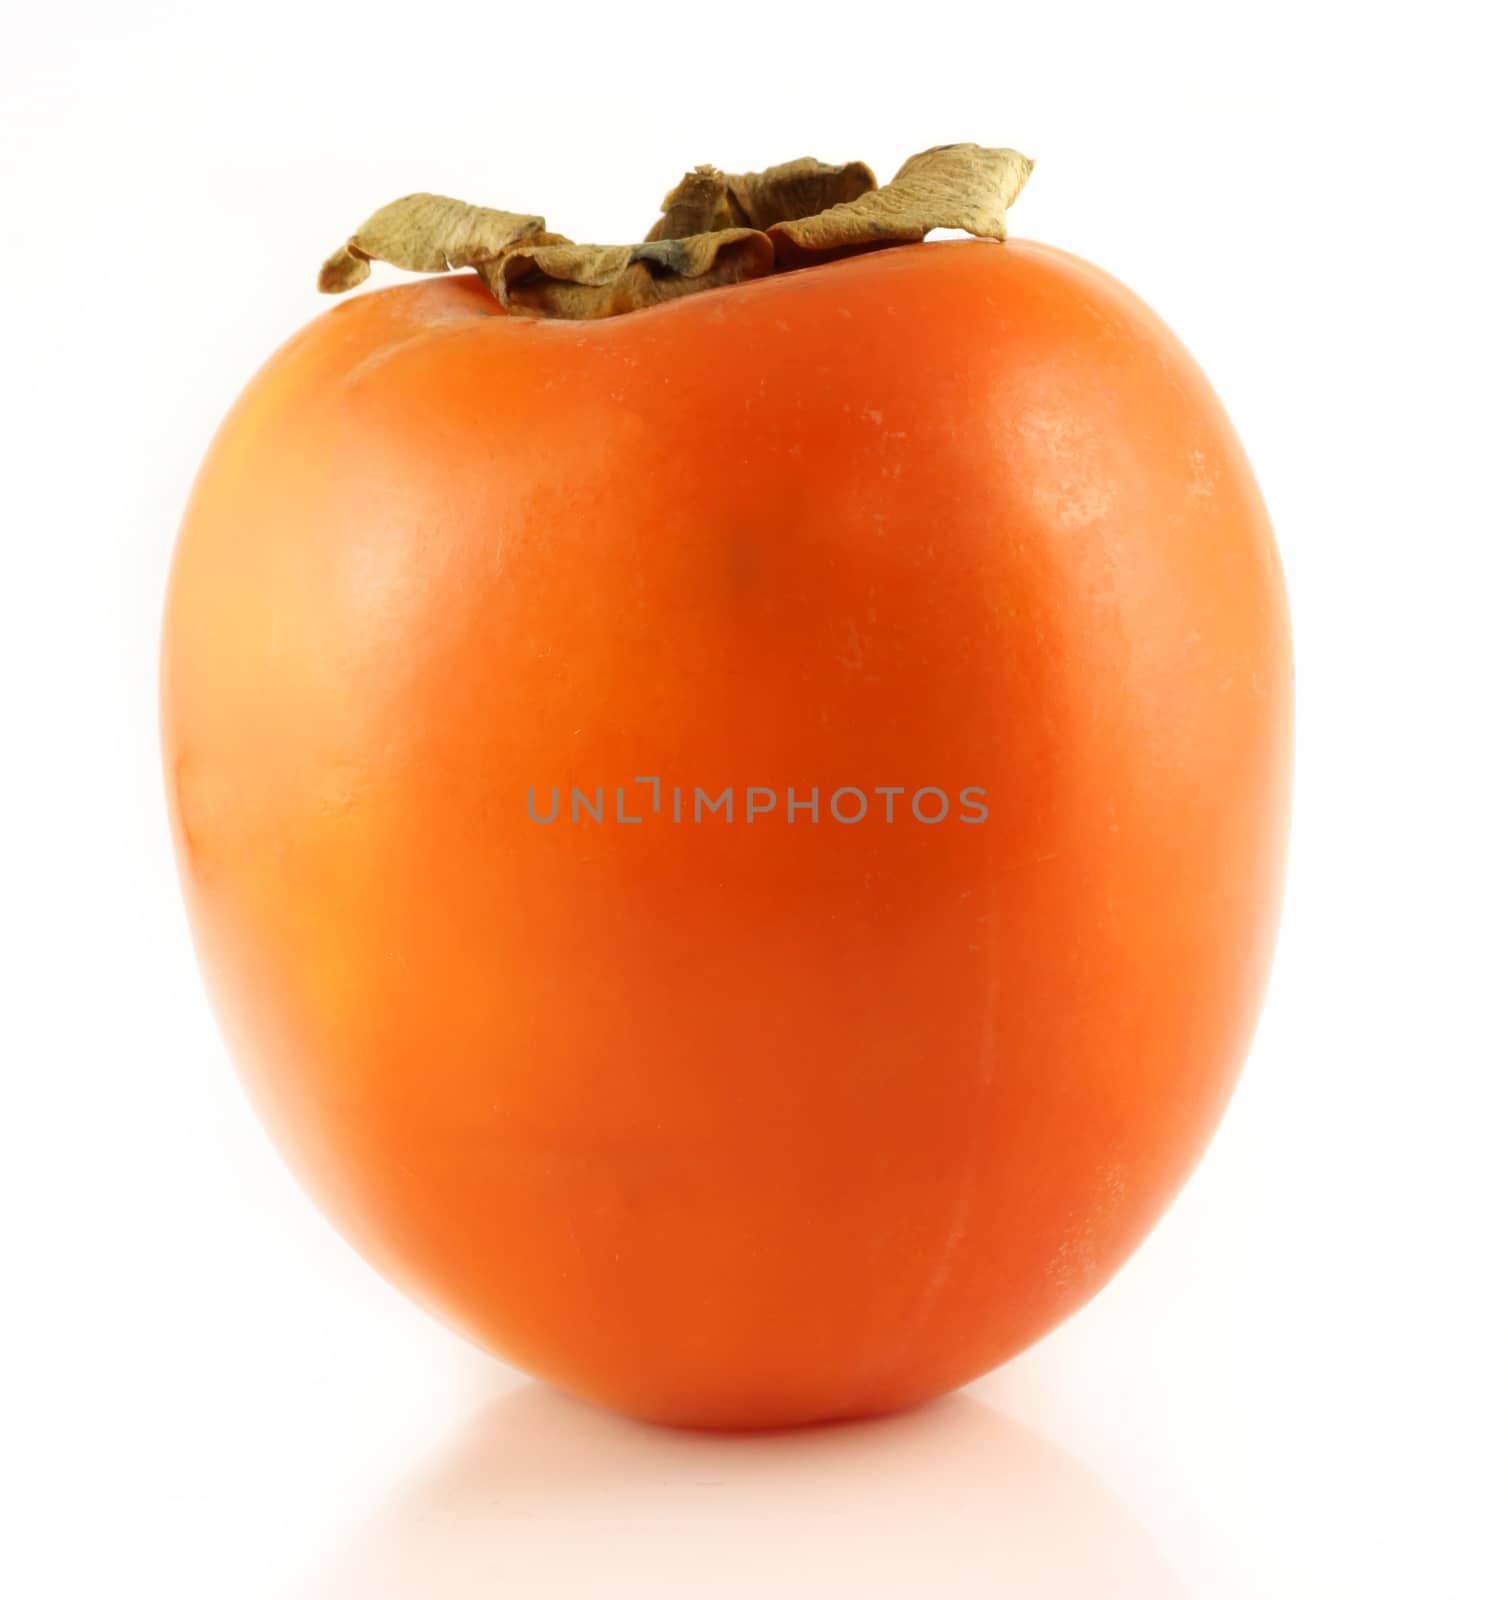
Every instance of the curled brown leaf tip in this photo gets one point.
(706, 199)
(798, 189)
(962, 186)
(425, 233)
(714, 229)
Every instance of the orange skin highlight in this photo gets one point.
(754, 1124)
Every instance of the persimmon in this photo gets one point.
(766, 1115)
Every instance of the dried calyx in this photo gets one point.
(714, 229)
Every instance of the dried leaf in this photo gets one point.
(798, 189)
(951, 186)
(715, 229)
(425, 233)
(700, 203)
(556, 278)
(707, 199)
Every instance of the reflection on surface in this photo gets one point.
(542, 1495)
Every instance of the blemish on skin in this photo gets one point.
(1073, 495)
(1077, 1260)
(852, 654)
(1078, 510)
(1204, 476)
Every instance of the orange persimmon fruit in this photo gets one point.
(758, 1115)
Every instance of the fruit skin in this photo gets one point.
(736, 1125)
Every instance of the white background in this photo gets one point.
(1297, 1388)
